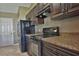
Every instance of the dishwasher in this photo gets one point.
(35, 45)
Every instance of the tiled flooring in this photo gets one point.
(11, 51)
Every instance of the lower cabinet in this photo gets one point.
(42, 48)
(52, 50)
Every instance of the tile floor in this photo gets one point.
(11, 51)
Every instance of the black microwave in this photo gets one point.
(50, 31)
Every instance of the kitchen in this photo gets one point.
(48, 29)
(56, 29)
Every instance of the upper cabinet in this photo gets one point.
(35, 14)
(43, 12)
(41, 6)
(73, 5)
(57, 10)
(64, 10)
(73, 9)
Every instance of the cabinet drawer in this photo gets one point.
(55, 52)
(47, 52)
(58, 50)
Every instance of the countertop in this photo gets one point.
(67, 40)
(36, 34)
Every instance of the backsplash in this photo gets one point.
(46, 24)
(66, 25)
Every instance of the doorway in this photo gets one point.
(6, 32)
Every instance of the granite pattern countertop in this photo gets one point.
(36, 34)
(67, 40)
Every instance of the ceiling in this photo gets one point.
(12, 7)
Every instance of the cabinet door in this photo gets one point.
(35, 10)
(73, 9)
(40, 20)
(41, 6)
(73, 5)
(34, 13)
(49, 49)
(56, 8)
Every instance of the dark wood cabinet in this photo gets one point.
(43, 12)
(41, 6)
(49, 49)
(73, 5)
(43, 48)
(57, 11)
(73, 9)
(34, 12)
(64, 10)
(40, 20)
(56, 8)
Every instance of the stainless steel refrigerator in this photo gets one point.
(25, 27)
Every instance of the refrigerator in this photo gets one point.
(25, 27)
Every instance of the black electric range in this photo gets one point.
(50, 31)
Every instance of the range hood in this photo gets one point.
(44, 12)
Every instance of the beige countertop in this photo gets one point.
(38, 34)
(67, 40)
